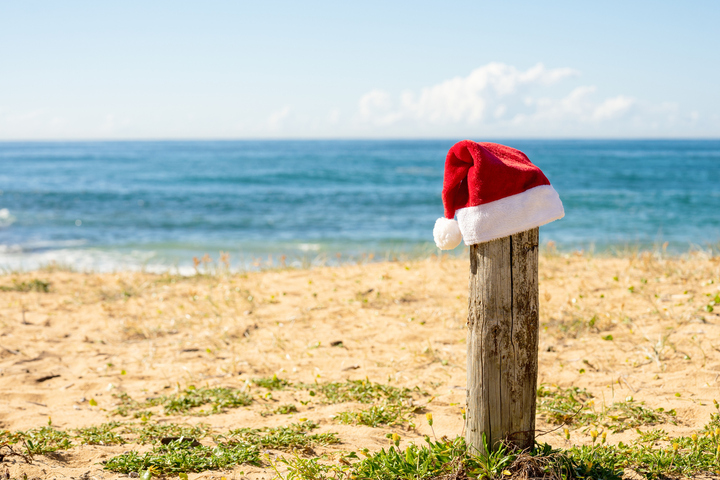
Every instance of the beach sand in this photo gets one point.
(635, 326)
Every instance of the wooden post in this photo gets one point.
(502, 342)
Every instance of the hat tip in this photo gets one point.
(446, 233)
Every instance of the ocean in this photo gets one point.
(154, 205)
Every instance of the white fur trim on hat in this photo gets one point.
(507, 216)
(447, 233)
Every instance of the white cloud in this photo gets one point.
(376, 107)
(460, 100)
(500, 99)
(277, 119)
(613, 107)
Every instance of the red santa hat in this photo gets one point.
(495, 191)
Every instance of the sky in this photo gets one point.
(86, 70)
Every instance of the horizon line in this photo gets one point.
(343, 139)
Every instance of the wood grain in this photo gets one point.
(502, 341)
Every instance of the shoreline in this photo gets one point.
(228, 262)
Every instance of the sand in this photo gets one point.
(400, 323)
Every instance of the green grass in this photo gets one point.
(148, 432)
(653, 453)
(178, 457)
(187, 402)
(631, 414)
(272, 383)
(100, 434)
(34, 285)
(38, 441)
(219, 399)
(446, 459)
(241, 446)
(377, 415)
(47, 439)
(286, 409)
(361, 391)
(294, 436)
(576, 406)
(563, 406)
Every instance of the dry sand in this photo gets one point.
(401, 323)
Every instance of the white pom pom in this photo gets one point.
(447, 234)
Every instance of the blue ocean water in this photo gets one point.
(155, 205)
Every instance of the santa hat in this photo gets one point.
(496, 191)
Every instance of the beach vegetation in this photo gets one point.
(272, 383)
(188, 401)
(184, 454)
(445, 458)
(177, 449)
(153, 433)
(34, 285)
(292, 437)
(103, 434)
(387, 414)
(180, 456)
(38, 441)
(576, 406)
(362, 391)
(286, 409)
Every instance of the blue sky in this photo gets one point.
(371, 69)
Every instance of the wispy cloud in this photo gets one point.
(459, 100)
(503, 99)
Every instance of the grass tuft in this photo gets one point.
(154, 432)
(576, 406)
(272, 383)
(185, 402)
(239, 446)
(38, 441)
(179, 457)
(100, 434)
(34, 285)
(377, 415)
(294, 436)
(361, 391)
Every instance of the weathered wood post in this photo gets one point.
(500, 199)
(502, 342)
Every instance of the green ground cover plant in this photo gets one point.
(34, 285)
(272, 383)
(286, 409)
(47, 439)
(153, 433)
(240, 446)
(180, 456)
(448, 459)
(576, 406)
(176, 449)
(100, 434)
(378, 415)
(361, 391)
(187, 402)
(685, 456)
(294, 436)
(39, 441)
